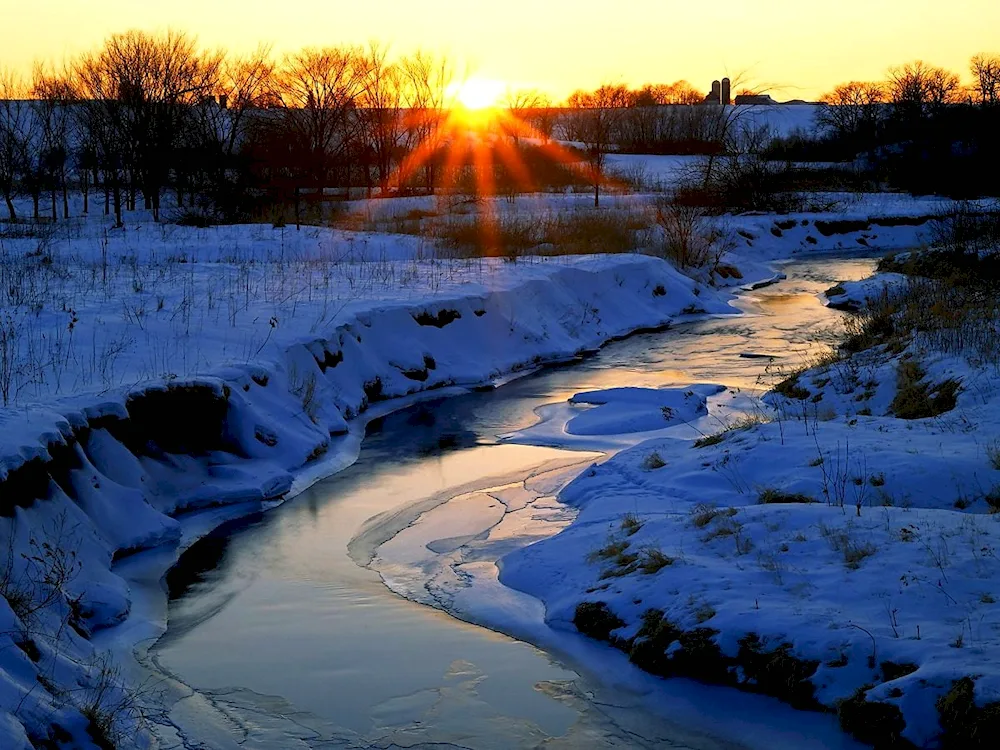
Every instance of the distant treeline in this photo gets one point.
(234, 138)
(232, 134)
(921, 129)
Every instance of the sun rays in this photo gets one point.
(491, 152)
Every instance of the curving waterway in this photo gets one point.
(309, 626)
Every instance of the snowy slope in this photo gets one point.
(824, 551)
(89, 478)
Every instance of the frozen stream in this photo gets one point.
(282, 633)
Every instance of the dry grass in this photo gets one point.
(917, 399)
(710, 440)
(653, 559)
(771, 496)
(790, 388)
(845, 542)
(743, 422)
(951, 302)
(704, 613)
(630, 524)
(992, 499)
(993, 454)
(480, 227)
(703, 514)
(614, 548)
(952, 319)
(582, 232)
(654, 461)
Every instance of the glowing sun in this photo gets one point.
(478, 93)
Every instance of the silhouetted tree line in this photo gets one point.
(236, 137)
(921, 129)
(654, 119)
(232, 136)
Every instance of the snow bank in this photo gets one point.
(861, 226)
(836, 556)
(627, 410)
(89, 479)
(853, 296)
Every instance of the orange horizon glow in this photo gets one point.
(791, 48)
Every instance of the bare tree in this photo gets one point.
(52, 109)
(319, 90)
(679, 92)
(986, 79)
(854, 110)
(244, 84)
(139, 88)
(598, 115)
(22, 161)
(15, 122)
(382, 114)
(521, 116)
(103, 131)
(221, 127)
(917, 89)
(428, 79)
(690, 238)
(722, 126)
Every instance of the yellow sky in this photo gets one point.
(798, 48)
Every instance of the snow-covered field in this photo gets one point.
(158, 379)
(87, 309)
(662, 171)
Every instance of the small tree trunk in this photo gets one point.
(65, 201)
(708, 171)
(10, 208)
(118, 203)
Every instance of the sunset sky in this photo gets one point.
(794, 48)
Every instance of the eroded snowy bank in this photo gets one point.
(88, 479)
